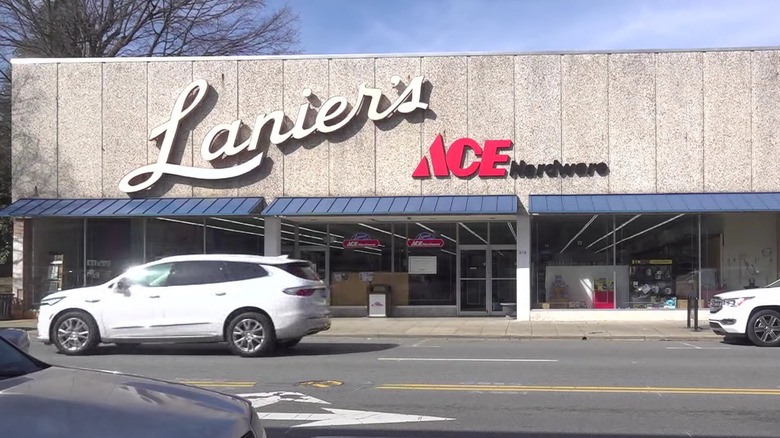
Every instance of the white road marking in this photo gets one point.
(419, 344)
(261, 399)
(347, 417)
(687, 346)
(443, 359)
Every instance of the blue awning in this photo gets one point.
(84, 208)
(654, 203)
(394, 205)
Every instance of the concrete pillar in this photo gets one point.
(523, 267)
(17, 259)
(273, 236)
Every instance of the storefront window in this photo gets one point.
(57, 256)
(473, 233)
(313, 245)
(359, 256)
(113, 246)
(167, 237)
(658, 256)
(739, 251)
(428, 258)
(503, 233)
(571, 265)
(234, 236)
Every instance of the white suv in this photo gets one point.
(253, 303)
(751, 313)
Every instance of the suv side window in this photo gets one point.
(197, 272)
(302, 270)
(238, 271)
(150, 276)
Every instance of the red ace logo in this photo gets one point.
(491, 160)
(452, 160)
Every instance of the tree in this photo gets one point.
(110, 28)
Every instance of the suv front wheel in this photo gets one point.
(251, 334)
(75, 333)
(764, 328)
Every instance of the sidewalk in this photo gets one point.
(496, 328)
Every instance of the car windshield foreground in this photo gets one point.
(43, 401)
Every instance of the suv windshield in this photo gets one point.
(775, 283)
(13, 363)
(301, 270)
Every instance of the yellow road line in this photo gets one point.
(590, 389)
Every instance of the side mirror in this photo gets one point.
(122, 285)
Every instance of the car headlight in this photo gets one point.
(735, 302)
(51, 301)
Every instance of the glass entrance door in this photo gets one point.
(473, 280)
(488, 277)
(503, 277)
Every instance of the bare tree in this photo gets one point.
(110, 28)
(107, 28)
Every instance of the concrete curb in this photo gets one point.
(672, 338)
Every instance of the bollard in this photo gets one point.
(688, 309)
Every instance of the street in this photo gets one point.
(338, 387)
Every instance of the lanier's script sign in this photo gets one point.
(331, 117)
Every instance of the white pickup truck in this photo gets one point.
(751, 313)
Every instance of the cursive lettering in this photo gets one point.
(331, 116)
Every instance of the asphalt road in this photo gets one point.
(328, 387)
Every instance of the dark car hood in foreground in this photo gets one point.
(65, 402)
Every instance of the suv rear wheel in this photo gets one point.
(764, 328)
(251, 334)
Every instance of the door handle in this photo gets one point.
(154, 296)
(93, 301)
(219, 294)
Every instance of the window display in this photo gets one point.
(652, 284)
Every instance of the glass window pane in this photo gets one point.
(238, 271)
(503, 233)
(234, 236)
(359, 254)
(58, 256)
(473, 233)
(428, 259)
(150, 276)
(572, 265)
(113, 246)
(196, 272)
(173, 236)
(660, 253)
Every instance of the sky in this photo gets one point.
(457, 26)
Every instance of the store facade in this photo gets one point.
(574, 186)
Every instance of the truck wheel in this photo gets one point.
(764, 328)
(251, 334)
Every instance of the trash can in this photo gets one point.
(379, 297)
(6, 304)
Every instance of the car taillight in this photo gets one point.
(300, 292)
